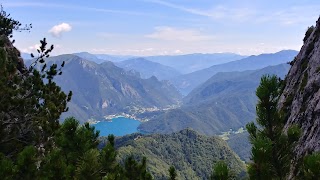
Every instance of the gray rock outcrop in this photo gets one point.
(301, 95)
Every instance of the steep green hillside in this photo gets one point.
(225, 101)
(102, 89)
(192, 155)
(240, 144)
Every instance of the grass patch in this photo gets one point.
(288, 101)
(308, 33)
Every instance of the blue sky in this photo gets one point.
(159, 27)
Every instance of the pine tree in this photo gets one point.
(271, 147)
(311, 167)
(33, 145)
(30, 101)
(172, 173)
(135, 170)
(220, 171)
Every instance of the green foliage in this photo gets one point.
(304, 65)
(172, 173)
(33, 145)
(308, 33)
(190, 153)
(8, 25)
(23, 167)
(88, 166)
(240, 144)
(54, 165)
(74, 140)
(26, 163)
(310, 48)
(271, 148)
(6, 167)
(30, 102)
(74, 156)
(108, 155)
(289, 100)
(293, 61)
(304, 81)
(135, 170)
(220, 171)
(294, 133)
(225, 101)
(311, 166)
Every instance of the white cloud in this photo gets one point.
(177, 51)
(174, 34)
(31, 49)
(57, 30)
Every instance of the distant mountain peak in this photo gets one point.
(104, 89)
(148, 68)
(187, 82)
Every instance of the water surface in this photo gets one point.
(118, 126)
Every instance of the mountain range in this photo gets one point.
(99, 58)
(224, 101)
(183, 63)
(103, 89)
(187, 82)
(227, 100)
(193, 62)
(26, 56)
(148, 69)
(90, 57)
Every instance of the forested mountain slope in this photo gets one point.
(227, 100)
(192, 155)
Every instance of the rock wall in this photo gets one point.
(11, 54)
(301, 95)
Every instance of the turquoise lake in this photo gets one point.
(118, 126)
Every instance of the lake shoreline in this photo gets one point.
(118, 126)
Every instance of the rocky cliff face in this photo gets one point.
(301, 95)
(11, 54)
